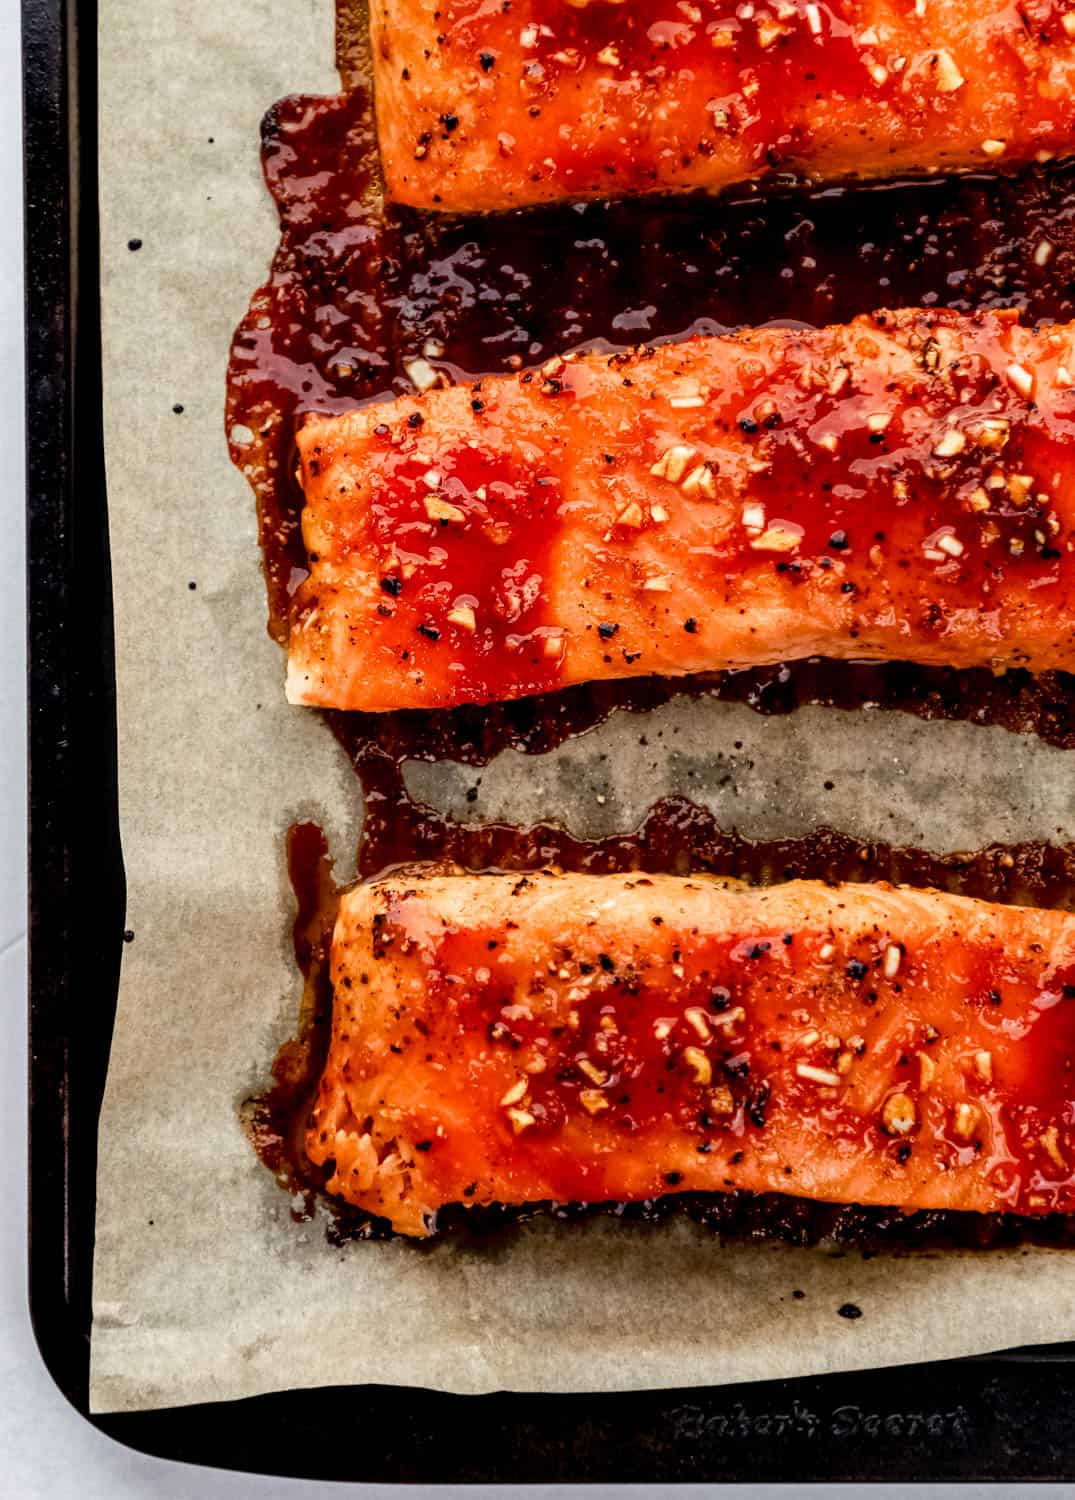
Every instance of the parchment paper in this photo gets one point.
(204, 1286)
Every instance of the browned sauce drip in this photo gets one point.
(276, 1119)
(357, 291)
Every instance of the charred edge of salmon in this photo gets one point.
(733, 1218)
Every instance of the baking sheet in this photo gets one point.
(205, 1286)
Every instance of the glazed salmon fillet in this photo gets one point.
(596, 1038)
(489, 106)
(902, 487)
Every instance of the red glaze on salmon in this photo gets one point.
(506, 1039)
(902, 487)
(487, 105)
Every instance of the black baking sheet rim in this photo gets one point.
(1006, 1416)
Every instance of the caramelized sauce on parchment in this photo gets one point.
(358, 292)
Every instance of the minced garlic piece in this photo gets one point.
(1021, 380)
(699, 1064)
(695, 1017)
(422, 374)
(951, 443)
(555, 646)
(947, 74)
(721, 1101)
(992, 432)
(442, 510)
(898, 1115)
(1051, 1145)
(674, 462)
(463, 616)
(700, 481)
(817, 1075)
(965, 1119)
(770, 31)
(753, 517)
(778, 538)
(515, 1093)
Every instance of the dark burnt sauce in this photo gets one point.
(358, 292)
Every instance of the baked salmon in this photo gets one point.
(902, 487)
(596, 1038)
(489, 106)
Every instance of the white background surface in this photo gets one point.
(46, 1449)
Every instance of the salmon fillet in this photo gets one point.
(595, 1038)
(488, 106)
(901, 487)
